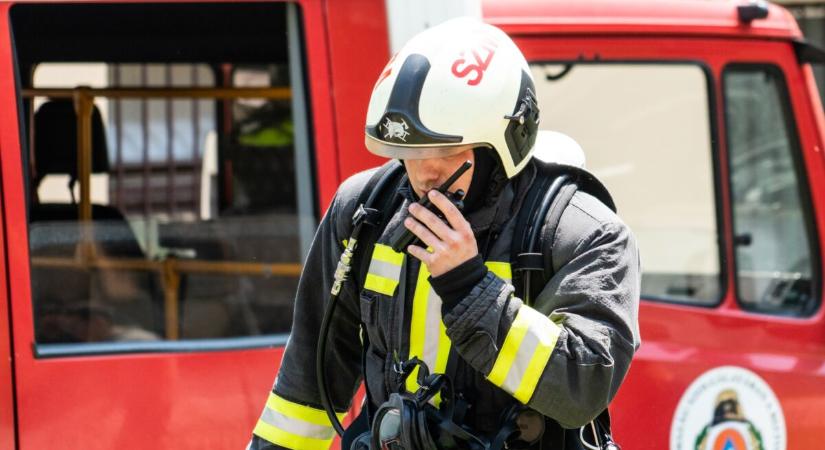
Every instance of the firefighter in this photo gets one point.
(461, 91)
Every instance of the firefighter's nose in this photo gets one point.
(431, 168)
(429, 174)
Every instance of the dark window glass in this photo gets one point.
(772, 228)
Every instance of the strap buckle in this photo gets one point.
(365, 215)
(529, 262)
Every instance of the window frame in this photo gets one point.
(45, 351)
(803, 189)
(294, 11)
(715, 158)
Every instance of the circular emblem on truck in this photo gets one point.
(728, 408)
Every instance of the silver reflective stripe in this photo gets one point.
(296, 426)
(432, 332)
(428, 335)
(525, 353)
(385, 269)
(522, 360)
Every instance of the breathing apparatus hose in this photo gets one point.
(535, 230)
(364, 215)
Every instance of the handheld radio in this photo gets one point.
(403, 237)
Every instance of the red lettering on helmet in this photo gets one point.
(387, 71)
(481, 56)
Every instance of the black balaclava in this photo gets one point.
(481, 187)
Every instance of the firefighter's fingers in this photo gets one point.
(424, 233)
(436, 225)
(453, 215)
(420, 253)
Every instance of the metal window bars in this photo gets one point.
(170, 268)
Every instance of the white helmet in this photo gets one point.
(456, 86)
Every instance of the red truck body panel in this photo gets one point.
(212, 399)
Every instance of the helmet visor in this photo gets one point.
(386, 150)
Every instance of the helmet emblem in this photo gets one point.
(396, 130)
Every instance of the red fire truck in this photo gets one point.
(163, 166)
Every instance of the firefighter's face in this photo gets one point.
(427, 174)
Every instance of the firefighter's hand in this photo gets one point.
(451, 243)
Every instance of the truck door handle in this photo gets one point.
(743, 240)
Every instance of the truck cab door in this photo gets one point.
(715, 161)
(8, 141)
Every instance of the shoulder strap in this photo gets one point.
(548, 234)
(544, 204)
(377, 198)
(537, 221)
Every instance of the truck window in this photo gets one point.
(775, 256)
(646, 133)
(197, 228)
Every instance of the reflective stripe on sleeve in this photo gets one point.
(384, 271)
(524, 354)
(295, 426)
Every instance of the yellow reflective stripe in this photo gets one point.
(289, 440)
(301, 412)
(295, 426)
(418, 324)
(442, 357)
(385, 253)
(525, 353)
(426, 313)
(380, 284)
(534, 370)
(508, 351)
(384, 263)
(500, 269)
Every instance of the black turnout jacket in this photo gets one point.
(564, 356)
